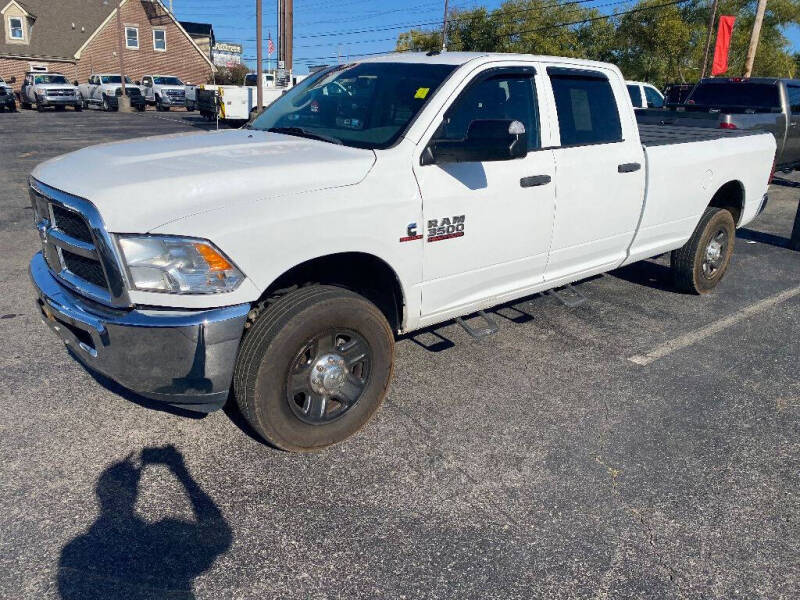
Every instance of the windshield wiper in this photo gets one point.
(300, 132)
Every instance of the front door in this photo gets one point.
(601, 170)
(487, 225)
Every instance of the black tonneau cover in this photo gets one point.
(662, 135)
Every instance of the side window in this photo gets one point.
(132, 38)
(160, 40)
(587, 111)
(510, 96)
(15, 28)
(794, 98)
(654, 99)
(636, 95)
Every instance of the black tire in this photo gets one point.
(78, 107)
(277, 345)
(700, 264)
(39, 106)
(60, 108)
(141, 107)
(106, 104)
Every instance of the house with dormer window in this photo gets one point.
(79, 37)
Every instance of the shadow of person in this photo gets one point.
(124, 556)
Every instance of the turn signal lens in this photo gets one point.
(215, 260)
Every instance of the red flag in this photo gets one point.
(270, 45)
(724, 32)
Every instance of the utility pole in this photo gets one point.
(288, 34)
(123, 103)
(711, 20)
(754, 37)
(444, 28)
(259, 58)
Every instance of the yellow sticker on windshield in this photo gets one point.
(422, 93)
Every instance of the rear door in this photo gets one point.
(599, 171)
(487, 225)
(791, 150)
(653, 97)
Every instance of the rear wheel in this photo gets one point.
(314, 367)
(700, 264)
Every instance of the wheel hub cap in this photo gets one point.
(715, 253)
(328, 374)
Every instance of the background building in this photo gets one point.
(202, 34)
(78, 37)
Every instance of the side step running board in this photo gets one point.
(568, 296)
(481, 332)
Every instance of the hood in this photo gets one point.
(141, 184)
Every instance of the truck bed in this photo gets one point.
(662, 135)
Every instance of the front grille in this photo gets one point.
(72, 224)
(74, 245)
(176, 93)
(60, 92)
(87, 269)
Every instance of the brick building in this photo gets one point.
(79, 37)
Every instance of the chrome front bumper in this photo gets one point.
(182, 358)
(59, 100)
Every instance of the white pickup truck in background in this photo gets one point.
(104, 89)
(373, 199)
(163, 91)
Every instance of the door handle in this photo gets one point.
(628, 167)
(535, 180)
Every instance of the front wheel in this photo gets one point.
(699, 265)
(106, 105)
(313, 367)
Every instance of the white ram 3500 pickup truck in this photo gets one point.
(375, 198)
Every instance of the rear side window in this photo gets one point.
(587, 111)
(654, 99)
(636, 95)
(794, 98)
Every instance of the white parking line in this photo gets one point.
(712, 328)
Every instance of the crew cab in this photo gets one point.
(163, 91)
(760, 103)
(278, 262)
(48, 89)
(103, 90)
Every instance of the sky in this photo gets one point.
(327, 29)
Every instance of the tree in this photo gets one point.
(229, 75)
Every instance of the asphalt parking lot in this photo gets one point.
(642, 445)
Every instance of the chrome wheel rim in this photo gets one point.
(715, 252)
(328, 376)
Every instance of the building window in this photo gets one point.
(15, 28)
(132, 38)
(160, 40)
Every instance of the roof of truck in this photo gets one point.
(461, 58)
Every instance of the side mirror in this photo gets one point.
(137, 82)
(486, 140)
(75, 83)
(12, 80)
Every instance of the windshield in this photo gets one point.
(753, 95)
(50, 79)
(167, 81)
(366, 105)
(114, 79)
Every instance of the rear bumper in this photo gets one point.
(182, 358)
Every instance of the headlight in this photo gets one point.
(176, 265)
